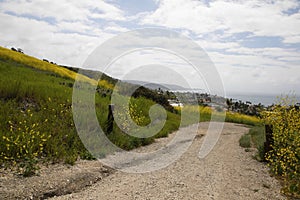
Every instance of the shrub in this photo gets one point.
(242, 119)
(255, 138)
(245, 141)
(23, 144)
(284, 159)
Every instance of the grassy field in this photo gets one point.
(206, 114)
(36, 119)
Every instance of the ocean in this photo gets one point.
(259, 98)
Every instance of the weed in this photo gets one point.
(245, 141)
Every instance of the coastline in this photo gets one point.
(266, 100)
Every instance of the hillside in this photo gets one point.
(36, 120)
(21, 58)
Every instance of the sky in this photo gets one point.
(254, 45)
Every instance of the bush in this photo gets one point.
(242, 119)
(23, 144)
(255, 138)
(245, 141)
(284, 159)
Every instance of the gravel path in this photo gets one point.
(228, 172)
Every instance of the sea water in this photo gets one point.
(260, 98)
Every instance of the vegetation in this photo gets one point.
(245, 141)
(245, 108)
(255, 138)
(206, 113)
(36, 119)
(25, 60)
(284, 158)
(242, 119)
(142, 91)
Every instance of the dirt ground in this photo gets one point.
(52, 180)
(228, 172)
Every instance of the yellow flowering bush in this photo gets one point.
(136, 115)
(23, 144)
(284, 159)
(42, 131)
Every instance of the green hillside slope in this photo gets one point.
(29, 61)
(36, 120)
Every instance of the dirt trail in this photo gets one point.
(52, 180)
(228, 172)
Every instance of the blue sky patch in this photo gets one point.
(132, 7)
(261, 42)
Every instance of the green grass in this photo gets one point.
(245, 141)
(25, 60)
(206, 115)
(36, 119)
(35, 103)
(255, 138)
(29, 61)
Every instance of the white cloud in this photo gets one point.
(22, 30)
(66, 32)
(292, 39)
(64, 10)
(242, 68)
(40, 39)
(257, 74)
(262, 18)
(210, 45)
(60, 30)
(191, 15)
(274, 54)
(156, 66)
(113, 27)
(76, 26)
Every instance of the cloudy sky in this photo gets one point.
(255, 45)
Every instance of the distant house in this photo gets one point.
(175, 103)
